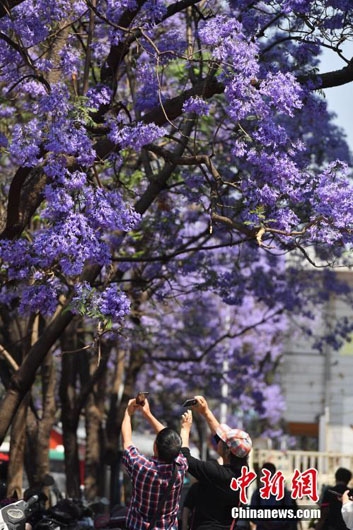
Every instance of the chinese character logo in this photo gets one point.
(242, 483)
(272, 485)
(305, 483)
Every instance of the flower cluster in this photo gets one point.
(197, 105)
(110, 305)
(135, 136)
(99, 95)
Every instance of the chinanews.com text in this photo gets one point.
(303, 513)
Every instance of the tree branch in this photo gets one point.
(168, 257)
(220, 339)
(25, 196)
(7, 5)
(337, 77)
(8, 358)
(118, 52)
(88, 387)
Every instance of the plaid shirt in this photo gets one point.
(150, 477)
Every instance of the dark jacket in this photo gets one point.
(214, 499)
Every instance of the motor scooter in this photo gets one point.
(14, 515)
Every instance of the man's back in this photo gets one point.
(215, 499)
(332, 506)
(150, 478)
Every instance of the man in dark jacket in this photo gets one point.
(331, 505)
(215, 499)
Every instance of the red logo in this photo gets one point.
(242, 483)
(273, 485)
(305, 483)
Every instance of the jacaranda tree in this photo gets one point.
(168, 157)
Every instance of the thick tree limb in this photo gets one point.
(173, 108)
(337, 77)
(23, 379)
(25, 196)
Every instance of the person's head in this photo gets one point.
(235, 462)
(167, 445)
(233, 445)
(270, 467)
(343, 475)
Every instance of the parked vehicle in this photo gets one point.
(15, 515)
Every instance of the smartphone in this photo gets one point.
(190, 402)
(350, 493)
(140, 398)
(335, 493)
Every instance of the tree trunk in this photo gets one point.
(92, 457)
(47, 421)
(22, 381)
(111, 427)
(72, 464)
(69, 416)
(93, 465)
(30, 460)
(17, 446)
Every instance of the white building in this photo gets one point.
(318, 388)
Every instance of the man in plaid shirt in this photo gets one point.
(151, 476)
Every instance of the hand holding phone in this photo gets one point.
(190, 402)
(337, 494)
(141, 397)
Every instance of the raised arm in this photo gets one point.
(126, 429)
(202, 408)
(203, 471)
(186, 422)
(146, 411)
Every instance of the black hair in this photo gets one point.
(270, 467)
(343, 475)
(168, 444)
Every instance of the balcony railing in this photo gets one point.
(287, 461)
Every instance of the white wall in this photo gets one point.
(311, 381)
(302, 383)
